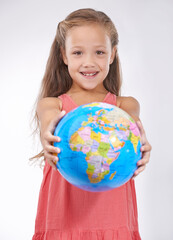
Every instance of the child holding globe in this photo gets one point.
(83, 67)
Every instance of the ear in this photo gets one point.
(64, 57)
(113, 55)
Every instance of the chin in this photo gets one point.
(89, 88)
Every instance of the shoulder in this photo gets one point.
(130, 105)
(127, 101)
(50, 102)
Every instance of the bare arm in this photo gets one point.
(47, 109)
(131, 106)
(49, 113)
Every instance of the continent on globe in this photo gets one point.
(103, 143)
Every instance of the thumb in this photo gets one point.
(142, 132)
(55, 120)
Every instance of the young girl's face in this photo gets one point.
(88, 54)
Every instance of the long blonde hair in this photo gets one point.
(56, 79)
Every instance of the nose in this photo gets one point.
(88, 61)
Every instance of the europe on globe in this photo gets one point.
(100, 146)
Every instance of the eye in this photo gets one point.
(100, 52)
(77, 53)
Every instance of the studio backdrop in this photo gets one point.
(27, 30)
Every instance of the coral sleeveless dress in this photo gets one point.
(66, 212)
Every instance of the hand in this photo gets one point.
(47, 139)
(145, 149)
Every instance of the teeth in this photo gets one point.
(89, 74)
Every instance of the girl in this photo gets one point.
(83, 67)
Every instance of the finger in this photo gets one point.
(145, 158)
(146, 155)
(143, 161)
(139, 170)
(51, 138)
(51, 157)
(146, 147)
(52, 164)
(51, 149)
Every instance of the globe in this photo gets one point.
(100, 146)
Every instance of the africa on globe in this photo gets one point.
(100, 147)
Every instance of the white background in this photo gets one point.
(27, 30)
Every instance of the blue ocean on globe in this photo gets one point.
(100, 146)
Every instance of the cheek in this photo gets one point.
(105, 66)
(73, 65)
(104, 63)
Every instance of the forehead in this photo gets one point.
(92, 34)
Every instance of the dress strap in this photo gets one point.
(68, 104)
(111, 99)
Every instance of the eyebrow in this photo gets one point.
(96, 46)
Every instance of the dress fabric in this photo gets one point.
(66, 212)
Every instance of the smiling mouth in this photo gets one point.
(89, 74)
